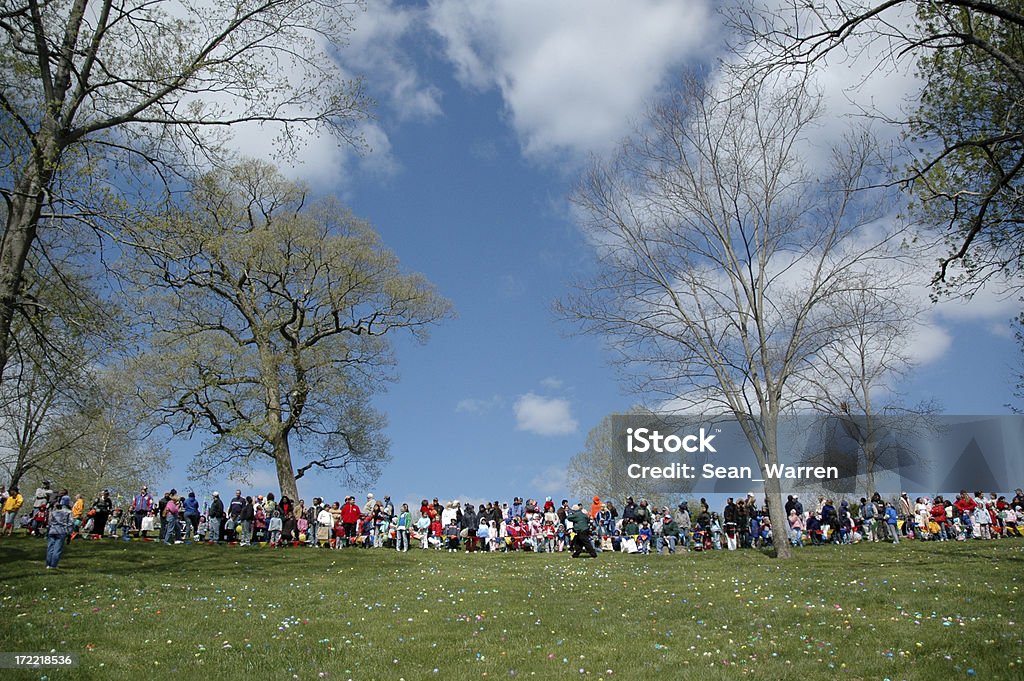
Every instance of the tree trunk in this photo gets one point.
(19, 234)
(16, 476)
(777, 514)
(285, 471)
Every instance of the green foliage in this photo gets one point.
(271, 320)
(967, 134)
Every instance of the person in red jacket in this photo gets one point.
(938, 514)
(964, 503)
(350, 518)
(436, 530)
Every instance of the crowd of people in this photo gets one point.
(530, 525)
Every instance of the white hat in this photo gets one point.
(216, 494)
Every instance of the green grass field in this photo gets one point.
(148, 611)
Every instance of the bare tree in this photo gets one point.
(97, 95)
(57, 342)
(854, 380)
(599, 470)
(271, 318)
(719, 248)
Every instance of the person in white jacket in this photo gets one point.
(324, 526)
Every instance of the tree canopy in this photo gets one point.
(99, 99)
(271, 317)
(963, 160)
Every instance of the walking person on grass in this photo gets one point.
(58, 531)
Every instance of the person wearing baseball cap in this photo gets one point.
(580, 523)
(216, 518)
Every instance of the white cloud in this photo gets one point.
(544, 415)
(377, 49)
(475, 405)
(510, 286)
(928, 343)
(549, 480)
(573, 74)
(553, 383)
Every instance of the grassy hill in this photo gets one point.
(144, 610)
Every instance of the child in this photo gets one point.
(124, 523)
(492, 536)
(259, 525)
(452, 534)
(483, 535)
(436, 531)
(891, 523)
(796, 528)
(644, 538)
(276, 528)
(203, 528)
(423, 528)
(402, 527)
(289, 527)
(982, 522)
(716, 532)
(1010, 522)
(148, 523)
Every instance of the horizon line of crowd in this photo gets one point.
(524, 525)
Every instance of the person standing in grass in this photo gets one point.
(11, 508)
(57, 532)
(276, 527)
(423, 525)
(402, 527)
(216, 517)
(142, 504)
(246, 517)
(350, 518)
(891, 520)
(581, 532)
(40, 507)
(451, 533)
(796, 528)
(322, 532)
(77, 511)
(170, 518)
(191, 508)
(234, 512)
(103, 507)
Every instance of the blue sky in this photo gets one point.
(487, 112)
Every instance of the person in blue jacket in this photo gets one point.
(192, 513)
(891, 520)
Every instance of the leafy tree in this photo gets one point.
(270, 317)
(97, 99)
(964, 158)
